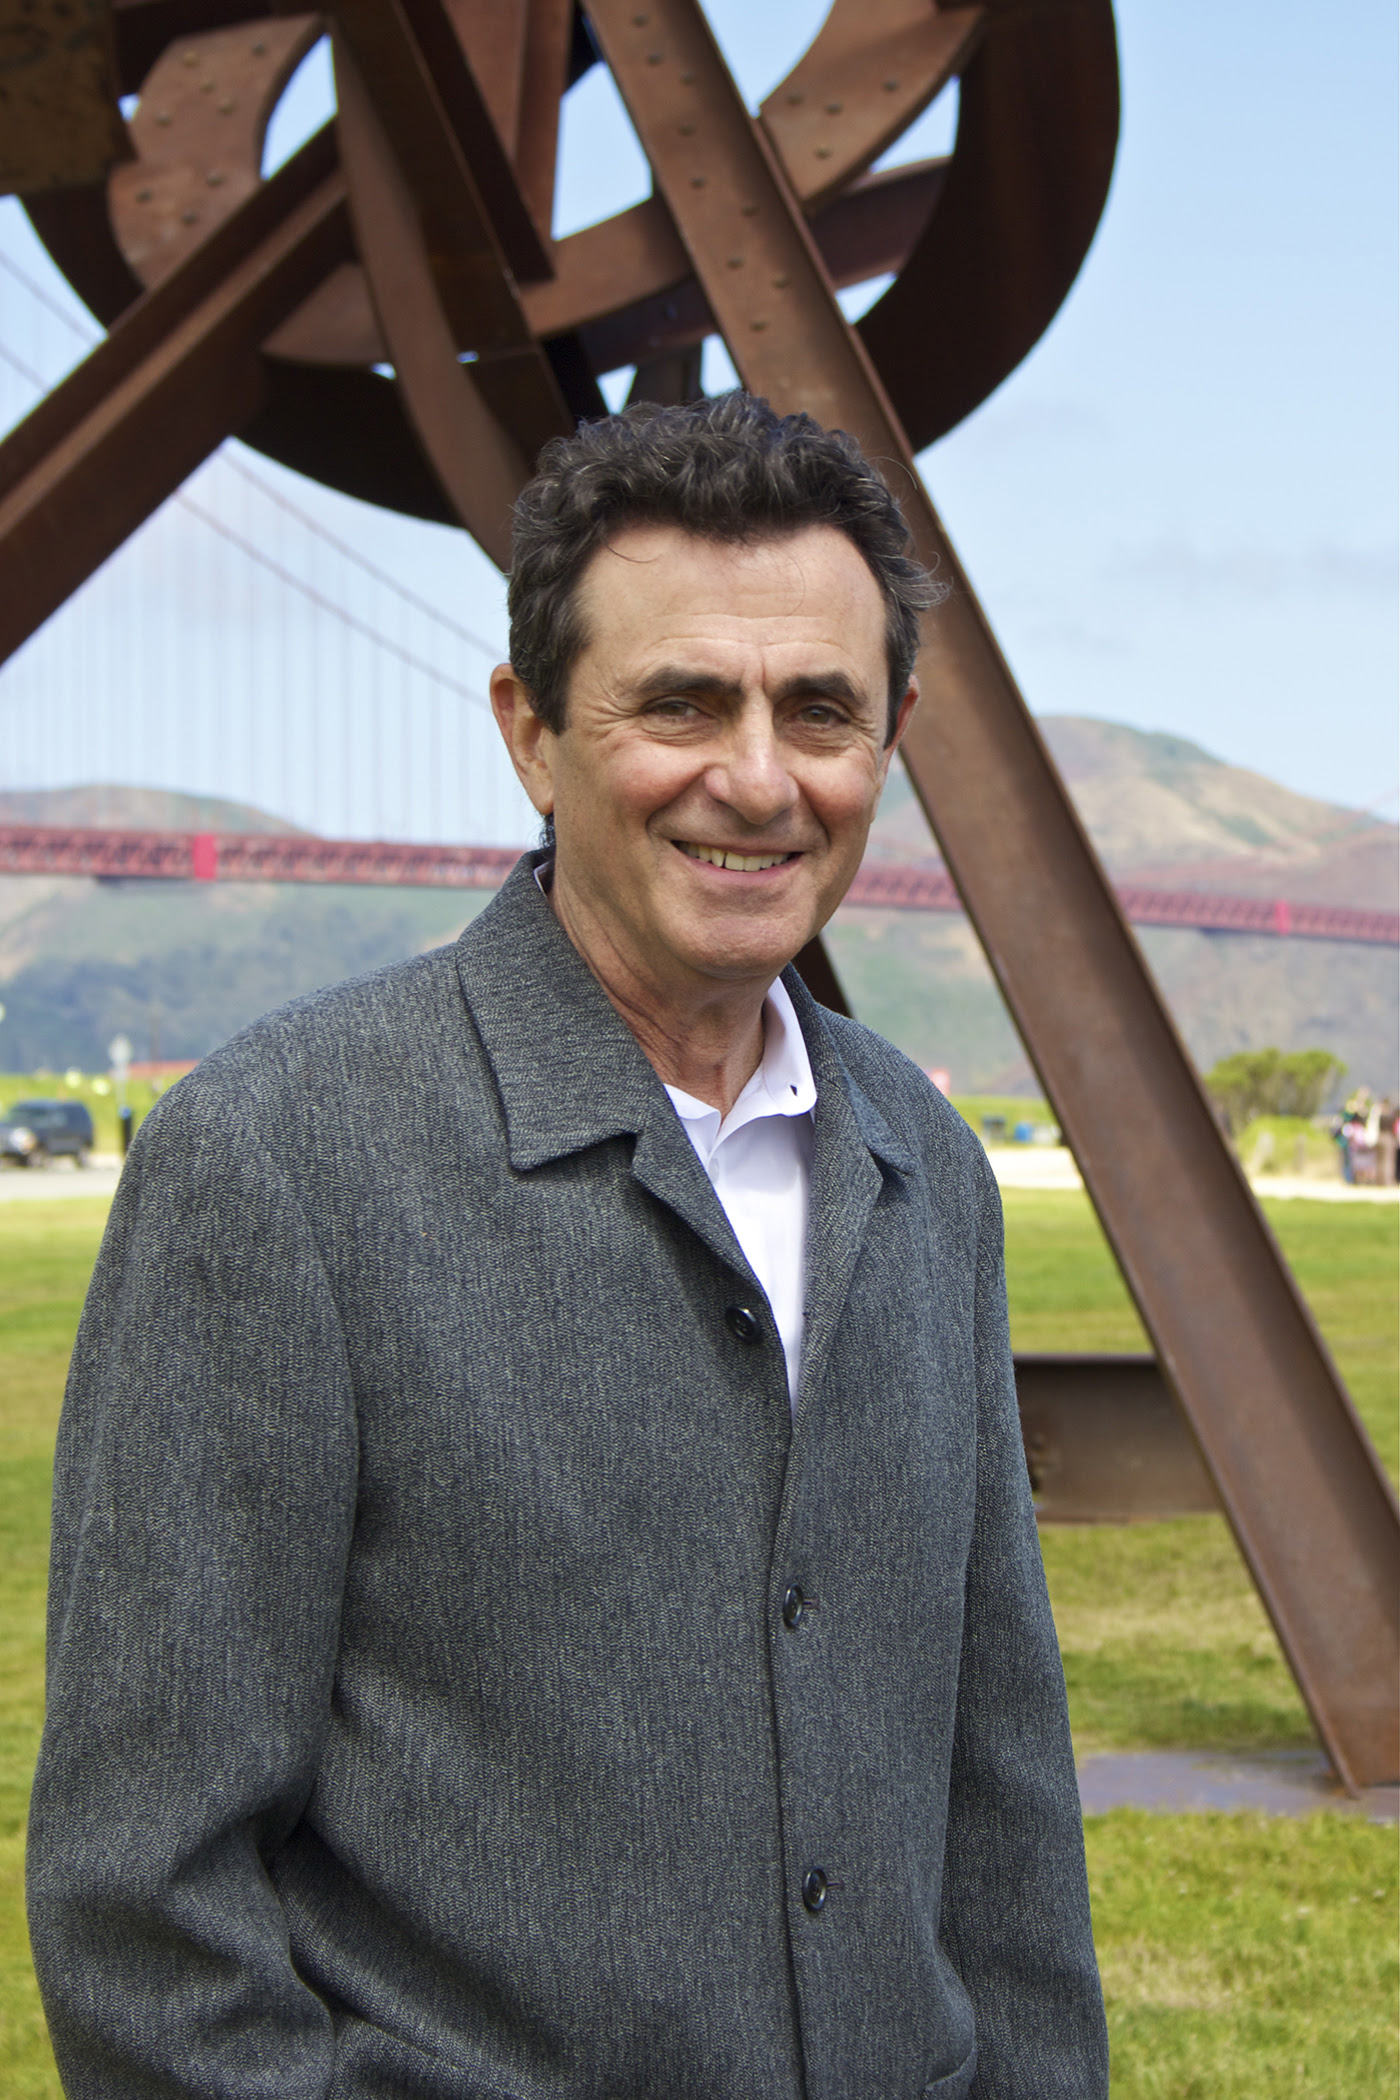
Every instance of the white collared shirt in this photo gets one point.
(759, 1160)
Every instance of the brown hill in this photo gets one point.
(1165, 813)
(133, 809)
(1162, 811)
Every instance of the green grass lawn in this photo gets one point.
(1163, 1637)
(1243, 1958)
(1246, 1957)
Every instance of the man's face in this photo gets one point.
(723, 752)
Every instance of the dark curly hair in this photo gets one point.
(726, 469)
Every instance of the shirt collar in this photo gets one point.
(782, 1085)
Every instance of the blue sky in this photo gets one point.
(1180, 512)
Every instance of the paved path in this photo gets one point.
(1015, 1166)
(60, 1178)
(1280, 1783)
(1053, 1167)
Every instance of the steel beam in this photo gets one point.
(178, 374)
(1106, 1442)
(474, 226)
(544, 80)
(480, 465)
(59, 119)
(1310, 1506)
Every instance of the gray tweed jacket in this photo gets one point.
(424, 1716)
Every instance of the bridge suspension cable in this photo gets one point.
(292, 670)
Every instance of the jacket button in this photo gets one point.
(793, 1605)
(741, 1323)
(814, 1891)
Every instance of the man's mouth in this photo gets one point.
(741, 863)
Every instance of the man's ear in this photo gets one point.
(528, 739)
(901, 720)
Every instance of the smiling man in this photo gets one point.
(545, 1600)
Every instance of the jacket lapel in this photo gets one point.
(569, 1071)
(571, 1074)
(853, 1142)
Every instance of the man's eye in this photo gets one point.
(821, 714)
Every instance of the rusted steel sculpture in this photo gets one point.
(415, 234)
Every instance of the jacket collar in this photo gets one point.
(569, 1070)
(571, 1073)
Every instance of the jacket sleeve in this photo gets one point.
(1015, 1895)
(204, 1499)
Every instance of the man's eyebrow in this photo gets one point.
(708, 685)
(821, 685)
(678, 678)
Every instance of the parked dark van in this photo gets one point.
(33, 1132)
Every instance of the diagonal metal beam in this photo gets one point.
(178, 374)
(480, 466)
(1310, 1506)
(475, 227)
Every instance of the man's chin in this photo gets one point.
(742, 957)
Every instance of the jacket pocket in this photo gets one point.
(957, 2082)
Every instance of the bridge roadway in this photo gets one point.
(272, 856)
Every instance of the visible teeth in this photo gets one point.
(742, 863)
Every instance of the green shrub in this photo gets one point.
(1271, 1083)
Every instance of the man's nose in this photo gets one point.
(752, 776)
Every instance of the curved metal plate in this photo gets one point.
(1015, 210)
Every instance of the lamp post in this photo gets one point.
(119, 1055)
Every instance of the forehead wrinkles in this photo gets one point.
(668, 594)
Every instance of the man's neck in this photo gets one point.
(706, 1039)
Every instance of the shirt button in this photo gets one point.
(814, 1891)
(741, 1323)
(793, 1605)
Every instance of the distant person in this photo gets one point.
(546, 1600)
